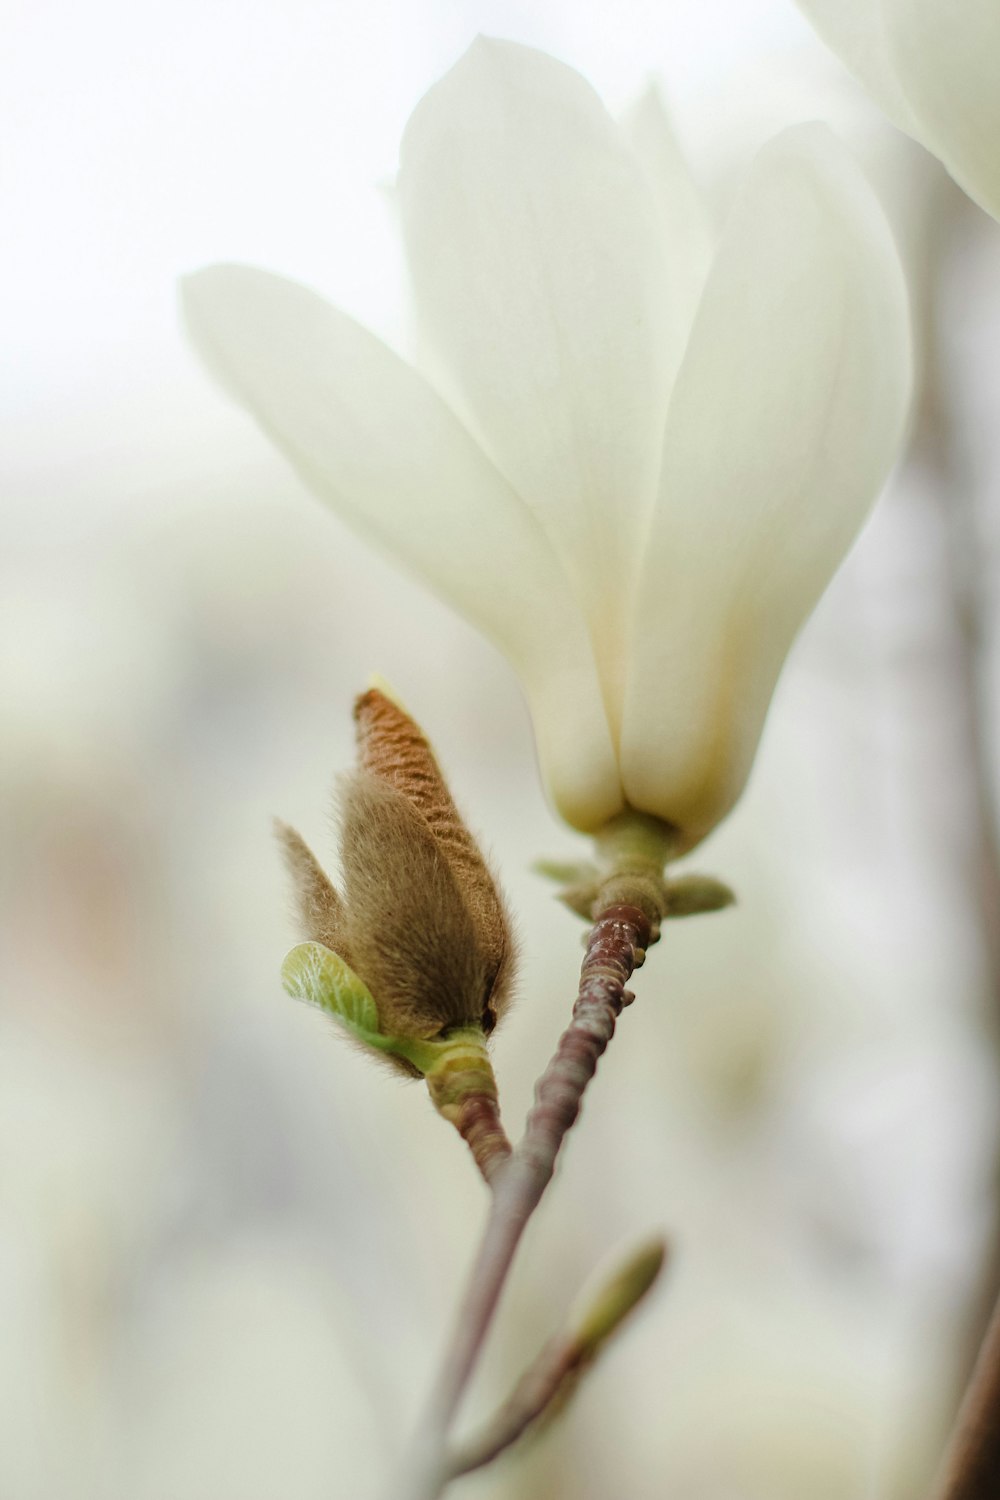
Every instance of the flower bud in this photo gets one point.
(419, 925)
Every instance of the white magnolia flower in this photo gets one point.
(934, 69)
(637, 456)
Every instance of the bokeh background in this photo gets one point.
(228, 1248)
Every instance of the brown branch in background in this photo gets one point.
(972, 1467)
(941, 448)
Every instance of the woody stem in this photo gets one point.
(616, 946)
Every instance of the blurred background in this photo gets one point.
(229, 1249)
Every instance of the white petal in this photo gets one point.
(856, 31)
(691, 239)
(786, 416)
(948, 60)
(368, 434)
(539, 258)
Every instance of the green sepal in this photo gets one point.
(316, 974)
(566, 871)
(689, 895)
(580, 881)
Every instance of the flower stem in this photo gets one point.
(478, 1123)
(616, 946)
(464, 1091)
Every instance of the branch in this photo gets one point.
(478, 1123)
(616, 946)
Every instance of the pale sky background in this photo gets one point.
(227, 1250)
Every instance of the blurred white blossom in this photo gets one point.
(635, 455)
(935, 70)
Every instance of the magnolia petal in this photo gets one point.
(540, 262)
(948, 60)
(691, 240)
(856, 31)
(368, 434)
(786, 416)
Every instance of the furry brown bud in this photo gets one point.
(419, 918)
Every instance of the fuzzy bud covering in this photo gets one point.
(419, 918)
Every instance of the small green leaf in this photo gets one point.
(316, 974)
(320, 976)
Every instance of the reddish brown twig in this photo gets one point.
(479, 1126)
(617, 944)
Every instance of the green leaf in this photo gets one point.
(320, 976)
(316, 974)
